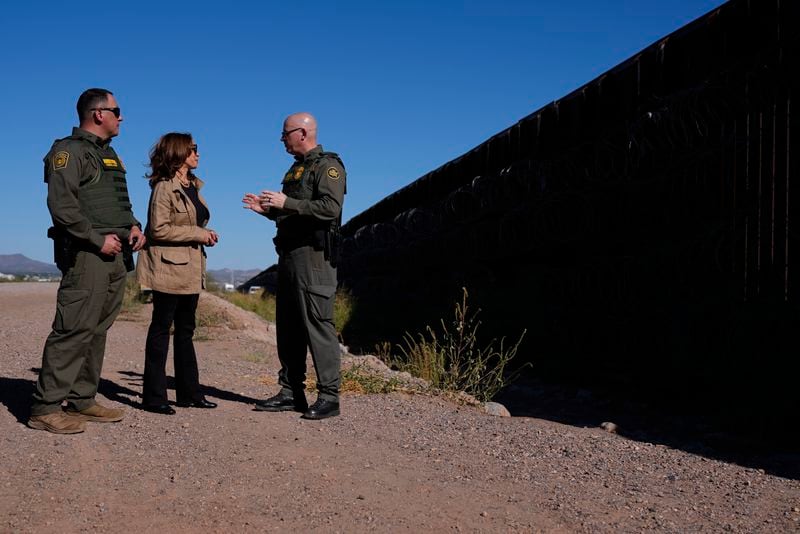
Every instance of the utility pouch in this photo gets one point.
(64, 250)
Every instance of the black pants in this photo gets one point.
(180, 309)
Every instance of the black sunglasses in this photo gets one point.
(193, 148)
(286, 133)
(115, 111)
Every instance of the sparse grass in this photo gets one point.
(210, 318)
(132, 300)
(206, 319)
(361, 379)
(255, 357)
(201, 334)
(262, 306)
(452, 360)
(342, 310)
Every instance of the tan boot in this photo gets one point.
(57, 423)
(98, 414)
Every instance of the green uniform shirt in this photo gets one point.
(314, 186)
(73, 162)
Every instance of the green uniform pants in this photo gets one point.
(89, 299)
(304, 319)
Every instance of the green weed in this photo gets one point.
(452, 360)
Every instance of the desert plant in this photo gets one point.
(359, 378)
(452, 360)
(342, 310)
(262, 306)
(132, 300)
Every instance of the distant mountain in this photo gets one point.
(19, 264)
(223, 276)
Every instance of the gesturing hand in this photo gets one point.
(253, 202)
(272, 199)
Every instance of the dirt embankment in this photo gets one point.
(389, 463)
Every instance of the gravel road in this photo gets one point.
(390, 463)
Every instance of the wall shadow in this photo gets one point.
(679, 426)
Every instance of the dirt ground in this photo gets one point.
(389, 463)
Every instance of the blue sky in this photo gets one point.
(398, 88)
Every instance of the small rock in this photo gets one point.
(496, 409)
(484, 514)
(608, 426)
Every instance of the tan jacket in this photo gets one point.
(173, 259)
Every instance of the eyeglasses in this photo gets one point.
(286, 133)
(115, 111)
(193, 148)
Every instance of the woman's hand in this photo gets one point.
(211, 238)
(253, 202)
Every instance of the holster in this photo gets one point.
(127, 255)
(331, 239)
(64, 249)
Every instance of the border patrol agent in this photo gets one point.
(94, 234)
(307, 213)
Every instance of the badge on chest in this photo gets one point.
(294, 174)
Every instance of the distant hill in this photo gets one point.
(19, 264)
(223, 276)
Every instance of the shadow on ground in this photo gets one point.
(16, 393)
(684, 429)
(132, 377)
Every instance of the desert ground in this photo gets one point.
(395, 462)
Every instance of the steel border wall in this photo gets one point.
(643, 222)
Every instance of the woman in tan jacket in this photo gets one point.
(173, 266)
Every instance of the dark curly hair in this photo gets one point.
(167, 156)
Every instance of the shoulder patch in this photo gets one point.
(60, 160)
(333, 173)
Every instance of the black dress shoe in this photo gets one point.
(282, 403)
(202, 403)
(163, 409)
(322, 409)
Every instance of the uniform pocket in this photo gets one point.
(320, 301)
(70, 306)
(175, 256)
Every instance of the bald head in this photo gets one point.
(299, 133)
